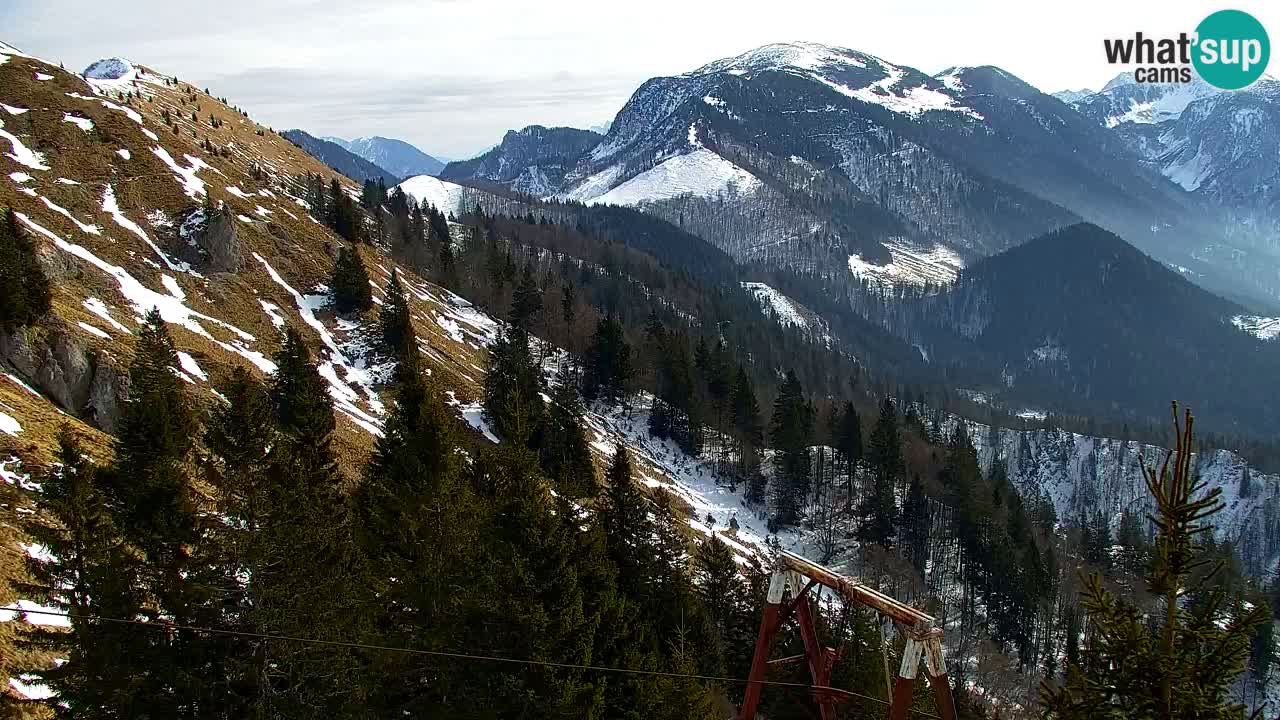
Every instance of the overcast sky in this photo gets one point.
(451, 76)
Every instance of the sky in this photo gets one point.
(451, 76)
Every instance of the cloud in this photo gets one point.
(453, 115)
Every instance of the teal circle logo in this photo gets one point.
(1232, 49)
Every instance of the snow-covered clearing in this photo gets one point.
(701, 173)
(787, 311)
(1265, 328)
(445, 196)
(937, 265)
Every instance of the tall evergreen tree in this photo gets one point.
(1183, 661)
(87, 571)
(610, 366)
(848, 442)
(565, 456)
(417, 531)
(350, 283)
(790, 432)
(513, 387)
(307, 580)
(876, 509)
(26, 289)
(396, 338)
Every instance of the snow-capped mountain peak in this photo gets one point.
(791, 56)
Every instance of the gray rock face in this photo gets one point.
(107, 393)
(51, 358)
(66, 368)
(215, 235)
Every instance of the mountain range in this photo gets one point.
(396, 156)
(821, 158)
(339, 158)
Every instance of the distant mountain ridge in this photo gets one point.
(833, 161)
(339, 158)
(396, 156)
(534, 160)
(1081, 320)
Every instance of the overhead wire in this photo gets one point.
(168, 626)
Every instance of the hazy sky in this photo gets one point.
(452, 75)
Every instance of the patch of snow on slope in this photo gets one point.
(700, 173)
(95, 331)
(13, 110)
(783, 308)
(1167, 106)
(192, 185)
(1190, 172)
(1265, 328)
(84, 124)
(27, 687)
(190, 366)
(273, 311)
(171, 309)
(9, 425)
(354, 369)
(99, 308)
(110, 205)
(447, 197)
(21, 153)
(911, 102)
(595, 185)
(84, 227)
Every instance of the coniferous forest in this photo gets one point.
(224, 563)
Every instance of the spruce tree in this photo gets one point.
(417, 534)
(849, 443)
(513, 387)
(88, 570)
(748, 435)
(565, 455)
(26, 289)
(526, 302)
(536, 606)
(150, 488)
(307, 579)
(884, 454)
(1183, 660)
(790, 432)
(610, 368)
(395, 324)
(350, 283)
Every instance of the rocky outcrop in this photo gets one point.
(68, 370)
(214, 235)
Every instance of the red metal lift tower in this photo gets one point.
(793, 577)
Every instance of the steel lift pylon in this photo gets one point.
(792, 579)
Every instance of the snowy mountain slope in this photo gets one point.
(1217, 146)
(118, 216)
(700, 173)
(852, 151)
(449, 198)
(936, 265)
(1084, 475)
